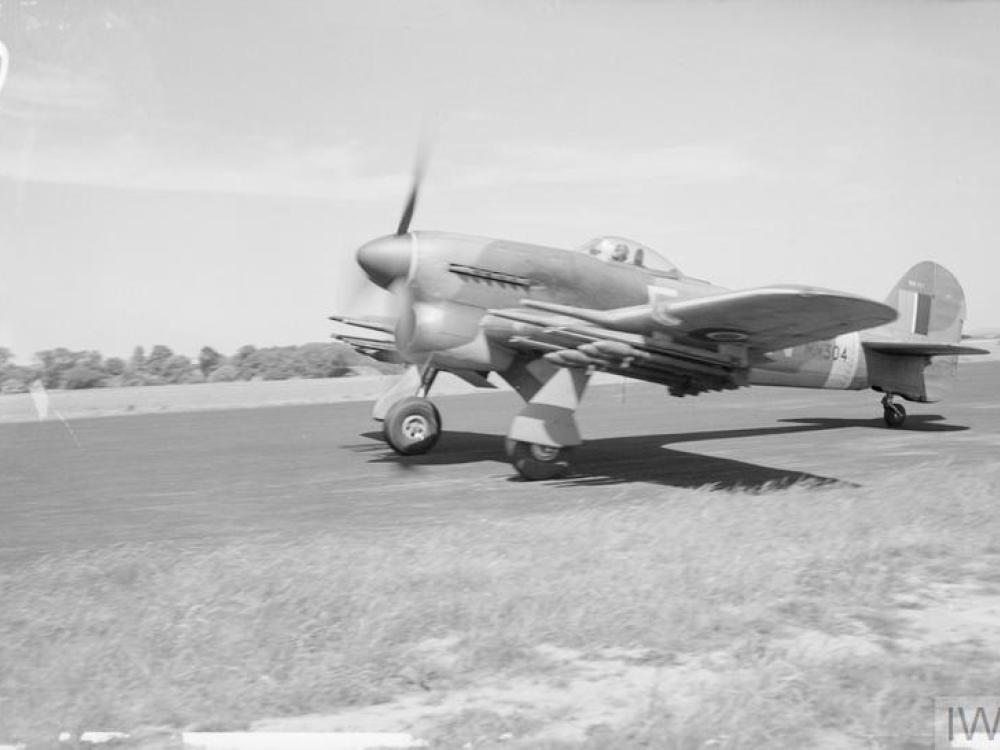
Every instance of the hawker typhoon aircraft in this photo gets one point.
(544, 319)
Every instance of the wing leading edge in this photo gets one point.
(764, 319)
(565, 341)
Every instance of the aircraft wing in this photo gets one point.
(569, 342)
(763, 319)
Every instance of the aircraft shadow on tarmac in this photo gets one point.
(914, 423)
(646, 458)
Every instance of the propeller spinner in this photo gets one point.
(387, 259)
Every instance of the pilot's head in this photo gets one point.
(621, 252)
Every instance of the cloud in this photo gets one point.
(73, 131)
(129, 162)
(556, 164)
(59, 125)
(44, 91)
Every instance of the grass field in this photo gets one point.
(366, 384)
(102, 402)
(802, 617)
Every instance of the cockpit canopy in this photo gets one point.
(622, 250)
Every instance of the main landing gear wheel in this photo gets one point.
(412, 426)
(894, 414)
(534, 461)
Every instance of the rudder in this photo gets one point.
(915, 356)
(931, 305)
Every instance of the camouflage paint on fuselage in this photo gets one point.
(455, 279)
(448, 306)
(836, 363)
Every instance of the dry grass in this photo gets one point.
(151, 636)
(103, 402)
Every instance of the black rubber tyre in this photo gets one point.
(894, 415)
(534, 462)
(412, 426)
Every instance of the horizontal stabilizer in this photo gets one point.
(917, 349)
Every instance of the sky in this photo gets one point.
(201, 173)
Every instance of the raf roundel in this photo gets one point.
(726, 337)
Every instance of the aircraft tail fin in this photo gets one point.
(916, 356)
(931, 306)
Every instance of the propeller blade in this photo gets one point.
(374, 302)
(394, 304)
(419, 168)
(406, 320)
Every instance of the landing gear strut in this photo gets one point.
(894, 414)
(410, 424)
(544, 433)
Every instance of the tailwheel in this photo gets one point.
(894, 414)
(412, 426)
(534, 461)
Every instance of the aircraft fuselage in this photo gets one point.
(453, 281)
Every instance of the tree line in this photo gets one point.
(67, 369)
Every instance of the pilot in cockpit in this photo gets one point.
(621, 250)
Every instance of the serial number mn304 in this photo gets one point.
(827, 350)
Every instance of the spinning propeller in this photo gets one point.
(386, 262)
(419, 168)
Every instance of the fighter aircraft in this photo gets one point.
(545, 319)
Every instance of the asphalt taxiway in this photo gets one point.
(203, 477)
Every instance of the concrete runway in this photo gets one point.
(202, 477)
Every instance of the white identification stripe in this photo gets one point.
(657, 293)
(842, 371)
